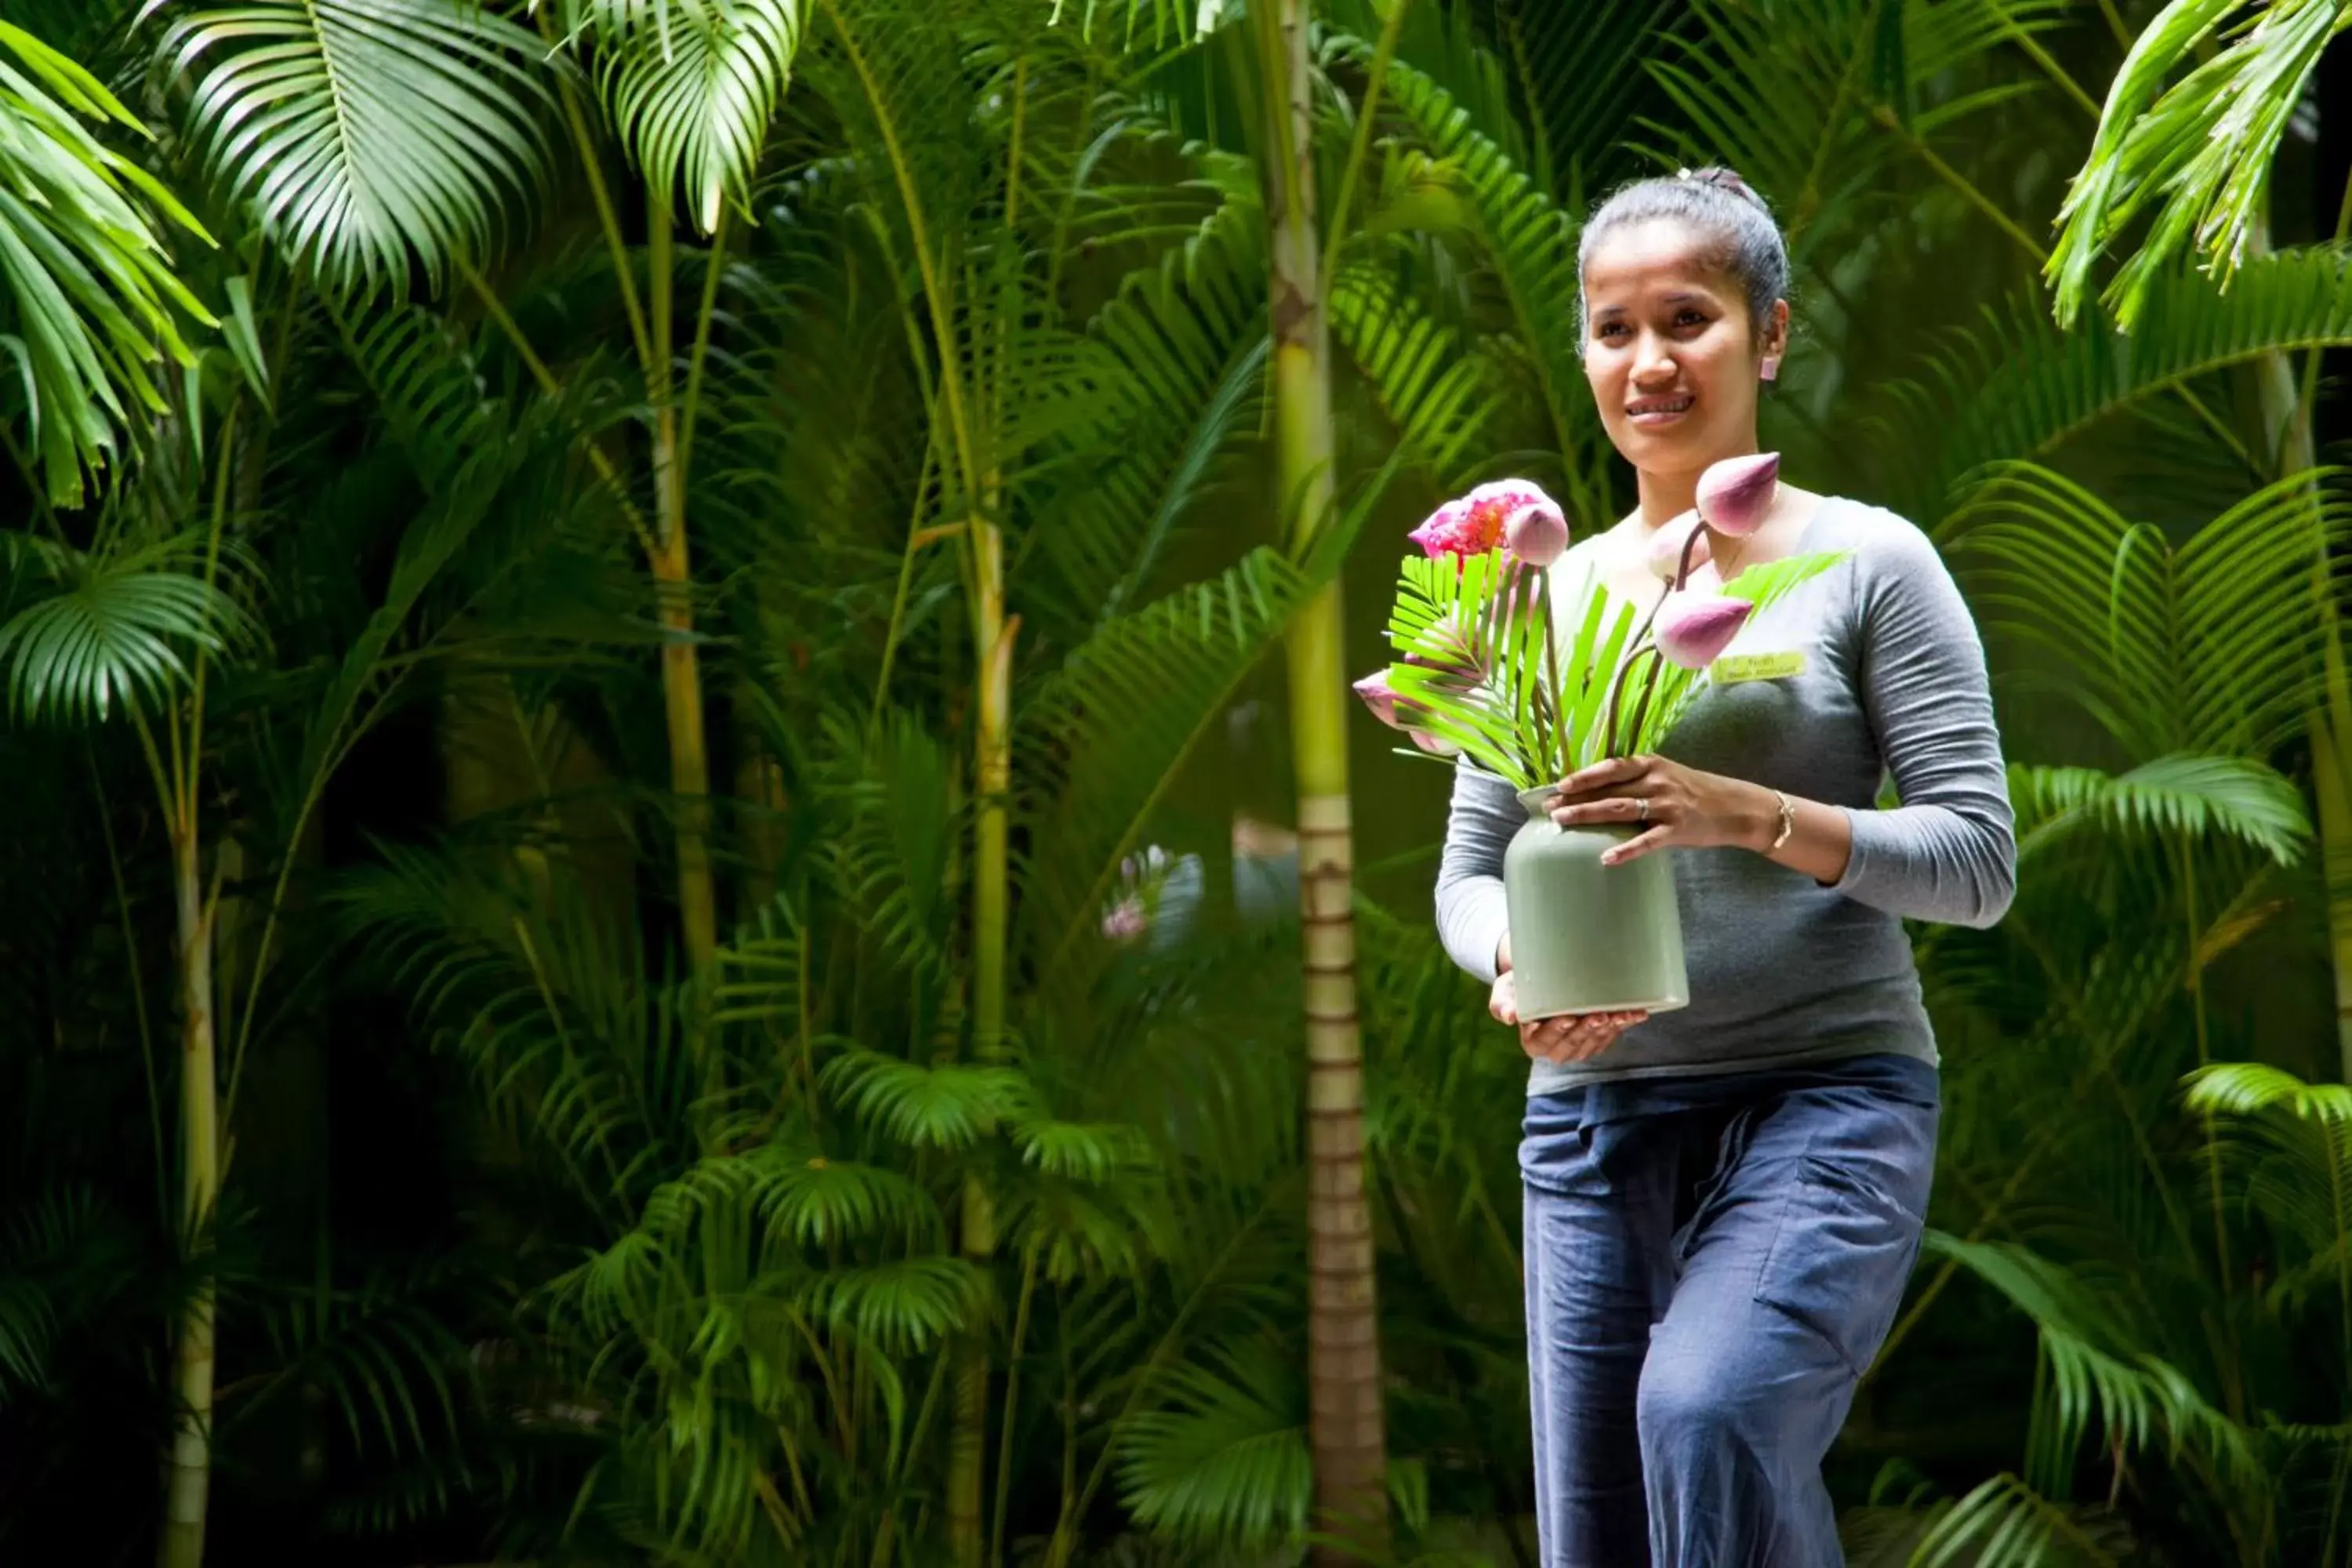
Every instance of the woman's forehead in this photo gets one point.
(1650, 260)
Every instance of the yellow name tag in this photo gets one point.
(1733, 667)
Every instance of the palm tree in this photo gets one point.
(1349, 1416)
(349, 181)
(2196, 148)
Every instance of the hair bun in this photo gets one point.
(1722, 179)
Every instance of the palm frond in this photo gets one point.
(949, 1105)
(2005, 1523)
(120, 634)
(2175, 797)
(1530, 242)
(1579, 70)
(2102, 1378)
(89, 295)
(1116, 719)
(2211, 646)
(691, 86)
(1189, 338)
(370, 137)
(2197, 154)
(1442, 399)
(1224, 1460)
(2021, 386)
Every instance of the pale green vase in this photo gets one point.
(1585, 937)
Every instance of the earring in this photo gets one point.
(1771, 369)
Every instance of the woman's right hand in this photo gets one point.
(1574, 1038)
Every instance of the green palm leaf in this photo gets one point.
(1813, 100)
(369, 136)
(2005, 1523)
(1225, 1460)
(2021, 386)
(2196, 156)
(88, 293)
(2209, 646)
(1119, 717)
(1530, 242)
(1189, 338)
(2101, 1376)
(2176, 796)
(692, 86)
(1441, 398)
(118, 634)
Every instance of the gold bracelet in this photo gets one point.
(1788, 822)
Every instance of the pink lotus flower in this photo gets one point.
(1735, 494)
(1665, 553)
(1512, 511)
(1693, 629)
(1432, 744)
(1452, 529)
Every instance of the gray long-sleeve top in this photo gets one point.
(1784, 970)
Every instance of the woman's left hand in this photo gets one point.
(1680, 807)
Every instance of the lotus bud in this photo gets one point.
(1665, 553)
(1432, 744)
(1536, 533)
(1693, 629)
(1380, 696)
(1735, 494)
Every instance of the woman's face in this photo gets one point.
(1669, 350)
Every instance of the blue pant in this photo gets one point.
(1711, 1263)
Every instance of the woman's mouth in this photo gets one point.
(1648, 412)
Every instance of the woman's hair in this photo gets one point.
(1743, 238)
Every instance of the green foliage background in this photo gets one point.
(344, 385)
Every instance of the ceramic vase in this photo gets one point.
(1585, 937)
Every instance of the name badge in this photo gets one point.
(1735, 667)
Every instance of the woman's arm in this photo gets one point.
(1471, 919)
(1949, 852)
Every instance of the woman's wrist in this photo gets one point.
(1760, 814)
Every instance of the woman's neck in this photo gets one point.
(1666, 495)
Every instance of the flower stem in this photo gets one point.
(1642, 707)
(1616, 691)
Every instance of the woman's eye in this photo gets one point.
(1690, 318)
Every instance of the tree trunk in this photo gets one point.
(190, 1471)
(681, 665)
(993, 635)
(1346, 1429)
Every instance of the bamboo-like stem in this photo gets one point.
(1011, 1406)
(188, 1483)
(681, 670)
(968, 1418)
(608, 218)
(189, 1468)
(1345, 1432)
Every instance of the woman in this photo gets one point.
(1723, 1203)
